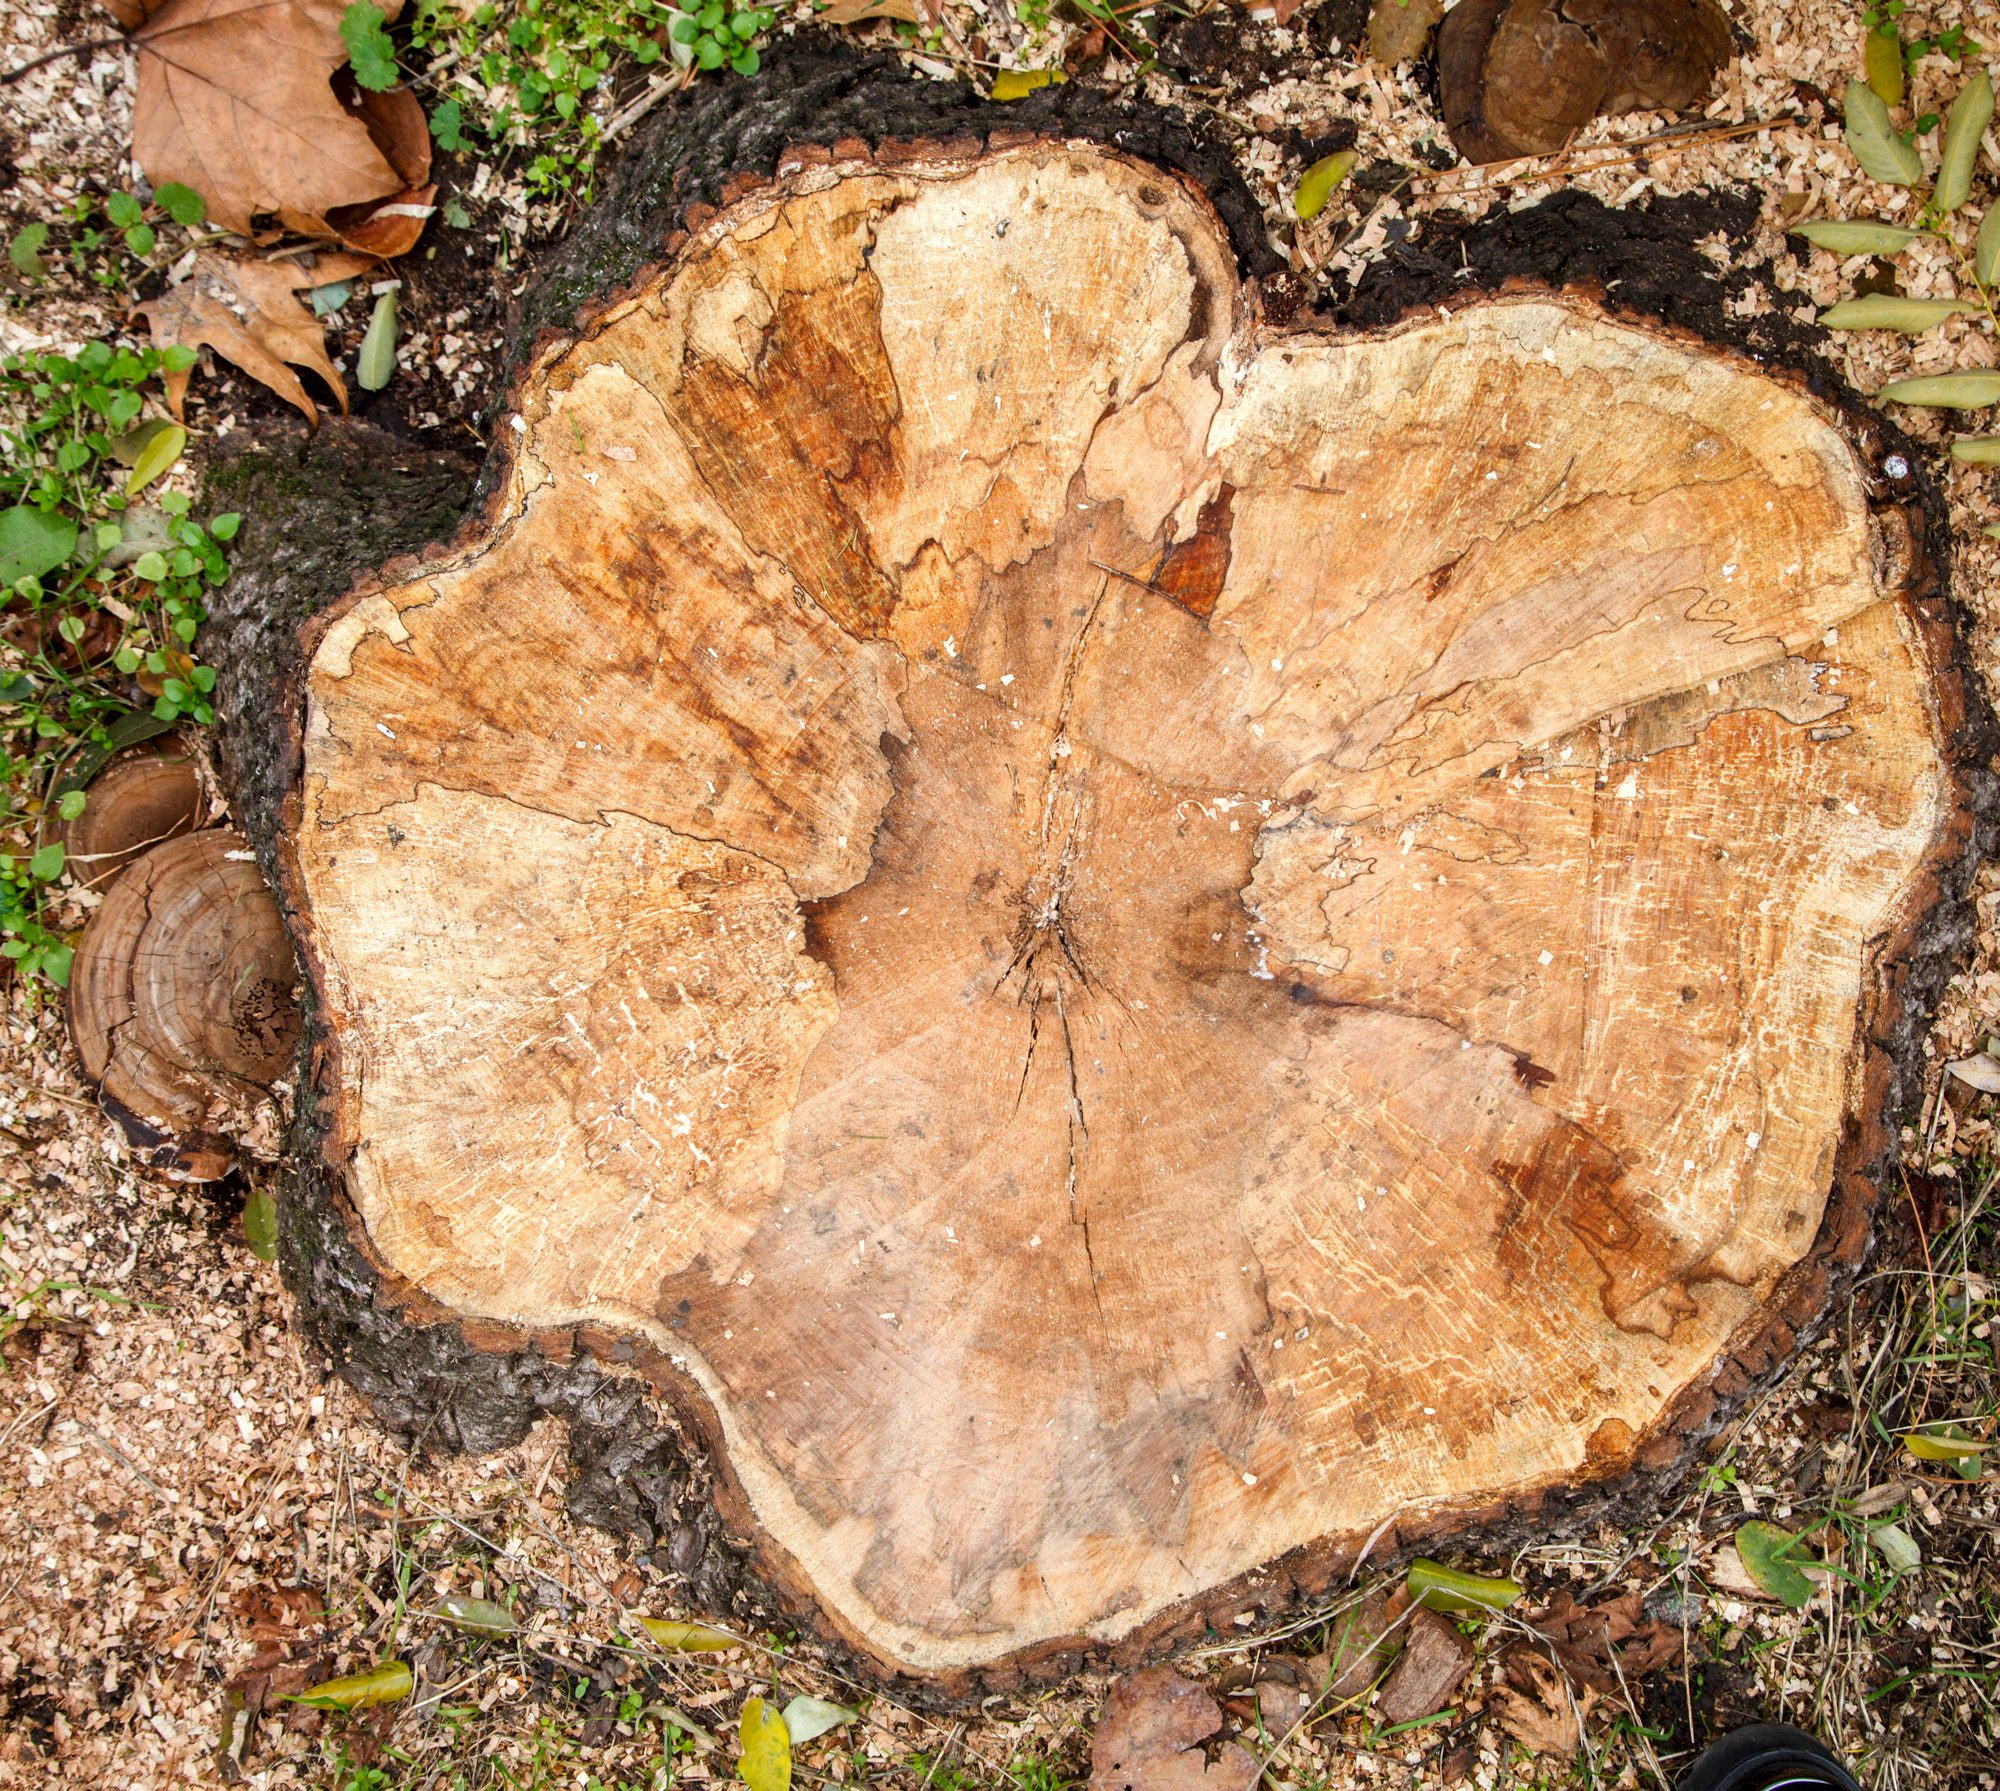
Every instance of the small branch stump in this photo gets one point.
(1122, 948)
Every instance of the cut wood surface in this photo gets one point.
(1118, 942)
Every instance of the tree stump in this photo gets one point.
(1124, 950)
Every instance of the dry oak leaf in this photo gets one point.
(1149, 1739)
(249, 313)
(1543, 1716)
(237, 99)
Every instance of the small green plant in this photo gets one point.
(98, 227)
(532, 77)
(101, 597)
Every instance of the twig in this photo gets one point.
(125, 1461)
(81, 48)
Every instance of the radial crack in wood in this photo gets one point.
(1123, 943)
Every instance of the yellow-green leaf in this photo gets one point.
(377, 359)
(1946, 391)
(1440, 1588)
(1316, 186)
(1874, 141)
(766, 1764)
(1862, 236)
(1986, 246)
(1977, 450)
(155, 458)
(1770, 1558)
(1885, 311)
(1964, 125)
(480, 1615)
(1938, 1443)
(689, 1638)
(382, 1684)
(260, 1224)
(1882, 62)
(1018, 83)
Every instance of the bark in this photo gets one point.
(1029, 1071)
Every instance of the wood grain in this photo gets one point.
(1131, 942)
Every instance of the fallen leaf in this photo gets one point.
(766, 1764)
(1882, 64)
(859, 12)
(1149, 1739)
(237, 100)
(382, 1684)
(1977, 450)
(1545, 1717)
(1943, 1442)
(260, 1224)
(1897, 1547)
(1770, 1557)
(157, 453)
(1971, 112)
(1981, 1070)
(249, 313)
(1949, 391)
(376, 361)
(1875, 142)
(1316, 185)
(480, 1616)
(1861, 236)
(1018, 83)
(1440, 1588)
(1427, 1674)
(806, 1719)
(1885, 311)
(1986, 247)
(689, 1638)
(33, 542)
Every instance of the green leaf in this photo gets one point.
(47, 864)
(369, 52)
(1946, 391)
(1018, 83)
(55, 964)
(1977, 450)
(708, 53)
(382, 1684)
(33, 542)
(260, 1224)
(1986, 247)
(24, 250)
(123, 210)
(1769, 1557)
(224, 527)
(746, 61)
(1316, 186)
(1964, 125)
(1863, 236)
(156, 457)
(448, 126)
(71, 804)
(806, 1719)
(689, 1638)
(376, 362)
(152, 567)
(1440, 1588)
(141, 240)
(182, 204)
(1885, 311)
(479, 1615)
(1873, 140)
(766, 1764)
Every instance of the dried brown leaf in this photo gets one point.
(1149, 1739)
(860, 12)
(249, 312)
(1545, 1718)
(237, 99)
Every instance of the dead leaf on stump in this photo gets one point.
(249, 313)
(249, 103)
(1427, 1674)
(1150, 1734)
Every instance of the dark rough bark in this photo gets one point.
(320, 510)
